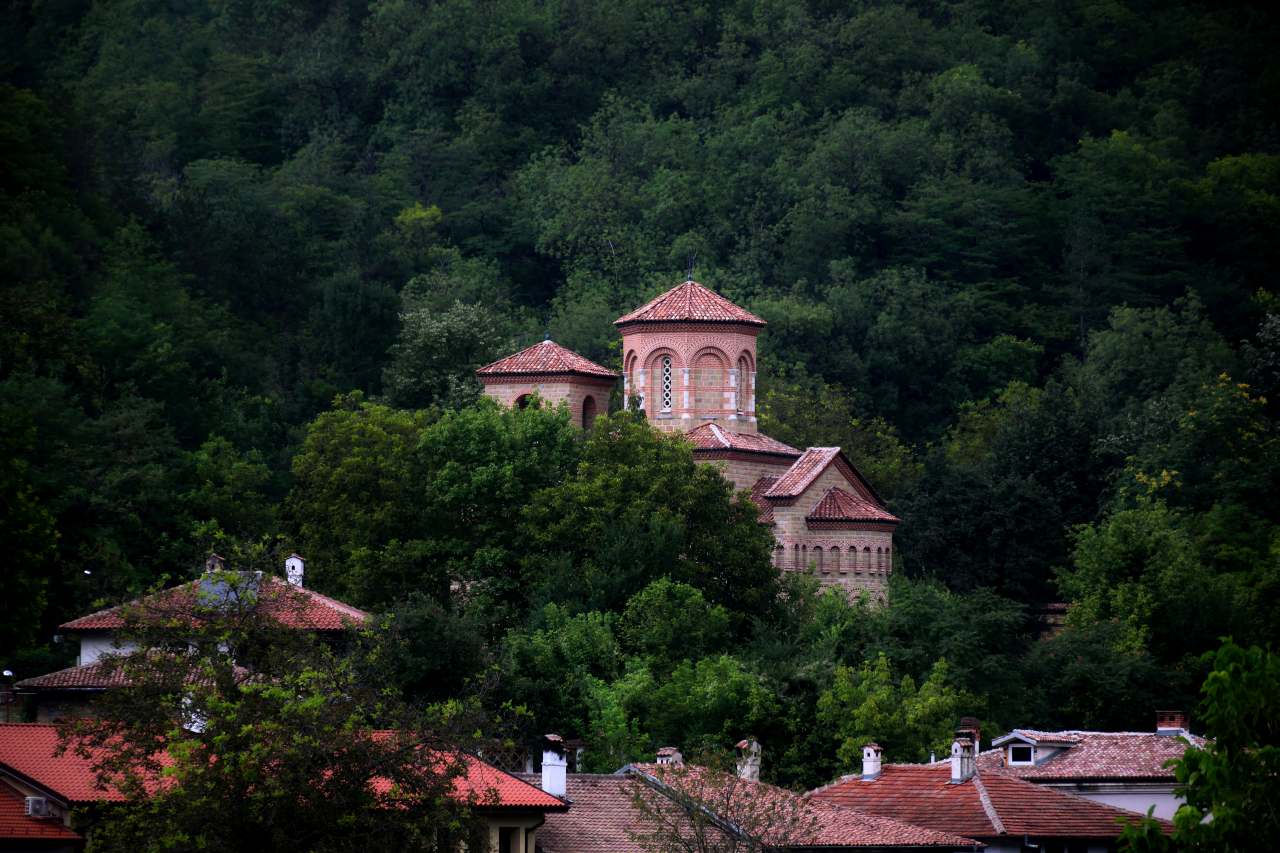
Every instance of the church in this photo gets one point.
(690, 358)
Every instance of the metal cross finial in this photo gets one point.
(693, 257)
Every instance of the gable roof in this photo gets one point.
(714, 437)
(27, 750)
(810, 466)
(507, 790)
(690, 301)
(600, 818)
(546, 357)
(1092, 756)
(98, 676)
(986, 805)
(15, 825)
(836, 824)
(839, 505)
(296, 606)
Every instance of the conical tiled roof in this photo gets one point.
(543, 358)
(690, 301)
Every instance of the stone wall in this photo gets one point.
(552, 389)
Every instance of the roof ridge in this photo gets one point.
(987, 805)
(720, 435)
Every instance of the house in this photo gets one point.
(69, 794)
(689, 357)
(1006, 813)
(1123, 769)
(23, 826)
(602, 815)
(71, 692)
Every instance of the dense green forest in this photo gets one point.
(1018, 258)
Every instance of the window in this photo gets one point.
(508, 842)
(666, 383)
(588, 412)
(742, 385)
(1020, 754)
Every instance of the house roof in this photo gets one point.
(15, 825)
(757, 491)
(713, 437)
(690, 301)
(296, 606)
(986, 805)
(547, 357)
(835, 825)
(1095, 756)
(28, 749)
(95, 676)
(840, 505)
(599, 820)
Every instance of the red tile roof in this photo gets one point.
(15, 825)
(757, 491)
(713, 437)
(836, 824)
(600, 817)
(839, 505)
(810, 466)
(544, 358)
(986, 805)
(95, 676)
(1095, 756)
(690, 301)
(28, 749)
(500, 789)
(296, 606)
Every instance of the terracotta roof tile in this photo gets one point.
(757, 491)
(839, 505)
(15, 825)
(922, 794)
(92, 676)
(690, 301)
(297, 606)
(28, 749)
(600, 817)
(836, 824)
(511, 791)
(1095, 756)
(543, 358)
(713, 437)
(805, 470)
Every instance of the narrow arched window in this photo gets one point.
(666, 383)
(817, 560)
(742, 384)
(588, 412)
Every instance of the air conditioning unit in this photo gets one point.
(37, 807)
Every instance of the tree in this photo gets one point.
(27, 533)
(237, 727)
(866, 705)
(669, 622)
(1232, 799)
(435, 359)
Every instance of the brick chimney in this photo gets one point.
(1172, 722)
(871, 762)
(749, 760)
(555, 768)
(214, 562)
(974, 728)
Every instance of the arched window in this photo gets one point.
(666, 383)
(742, 384)
(817, 560)
(866, 559)
(588, 412)
(522, 401)
(796, 562)
(835, 561)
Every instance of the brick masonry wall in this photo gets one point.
(871, 550)
(572, 390)
(705, 379)
(744, 474)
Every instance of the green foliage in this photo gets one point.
(28, 533)
(434, 362)
(869, 704)
(667, 623)
(1229, 783)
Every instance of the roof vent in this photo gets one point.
(1172, 722)
(670, 755)
(37, 807)
(554, 767)
(871, 762)
(748, 760)
(961, 757)
(214, 562)
(295, 567)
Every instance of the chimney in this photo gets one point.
(961, 757)
(670, 755)
(1172, 722)
(214, 563)
(871, 762)
(554, 767)
(748, 760)
(974, 728)
(295, 567)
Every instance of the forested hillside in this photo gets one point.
(1018, 258)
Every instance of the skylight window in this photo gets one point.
(1021, 754)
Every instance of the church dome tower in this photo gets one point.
(691, 356)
